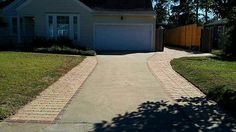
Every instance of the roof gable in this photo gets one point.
(139, 5)
(5, 3)
(142, 5)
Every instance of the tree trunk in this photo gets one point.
(197, 8)
(206, 14)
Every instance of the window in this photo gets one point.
(14, 25)
(63, 26)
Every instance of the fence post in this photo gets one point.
(160, 39)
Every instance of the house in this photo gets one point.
(216, 28)
(96, 24)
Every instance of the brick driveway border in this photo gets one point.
(50, 103)
(175, 85)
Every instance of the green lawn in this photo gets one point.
(24, 75)
(215, 77)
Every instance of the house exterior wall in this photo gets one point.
(40, 8)
(4, 32)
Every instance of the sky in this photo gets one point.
(201, 11)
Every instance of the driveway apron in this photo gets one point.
(119, 84)
(122, 94)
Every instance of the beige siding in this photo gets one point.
(40, 8)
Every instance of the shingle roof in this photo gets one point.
(119, 4)
(109, 4)
(5, 3)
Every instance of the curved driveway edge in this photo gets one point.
(50, 103)
(174, 84)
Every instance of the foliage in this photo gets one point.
(59, 46)
(230, 47)
(223, 7)
(186, 115)
(227, 9)
(213, 76)
(206, 5)
(65, 50)
(24, 75)
(161, 10)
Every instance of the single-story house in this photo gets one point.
(96, 24)
(216, 28)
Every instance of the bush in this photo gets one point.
(225, 97)
(4, 113)
(65, 50)
(229, 41)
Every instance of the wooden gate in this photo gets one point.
(185, 36)
(206, 40)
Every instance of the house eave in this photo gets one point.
(127, 13)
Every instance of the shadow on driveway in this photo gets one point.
(188, 114)
(120, 52)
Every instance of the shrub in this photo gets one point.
(65, 50)
(4, 113)
(229, 42)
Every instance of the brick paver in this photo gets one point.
(175, 85)
(48, 105)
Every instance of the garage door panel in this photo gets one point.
(123, 37)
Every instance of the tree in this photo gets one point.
(184, 12)
(161, 9)
(227, 9)
(223, 7)
(205, 5)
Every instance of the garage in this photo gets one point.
(126, 37)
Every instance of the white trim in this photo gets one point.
(137, 24)
(125, 13)
(84, 6)
(23, 5)
(62, 14)
(10, 5)
(11, 26)
(71, 27)
(47, 27)
(54, 24)
(77, 1)
(18, 30)
(71, 23)
(79, 28)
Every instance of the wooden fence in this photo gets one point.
(185, 36)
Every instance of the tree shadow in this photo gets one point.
(188, 114)
(127, 52)
(179, 48)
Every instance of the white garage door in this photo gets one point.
(123, 37)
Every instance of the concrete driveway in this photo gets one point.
(119, 84)
(122, 94)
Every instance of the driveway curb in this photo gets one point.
(51, 103)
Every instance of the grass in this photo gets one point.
(216, 52)
(213, 76)
(24, 75)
